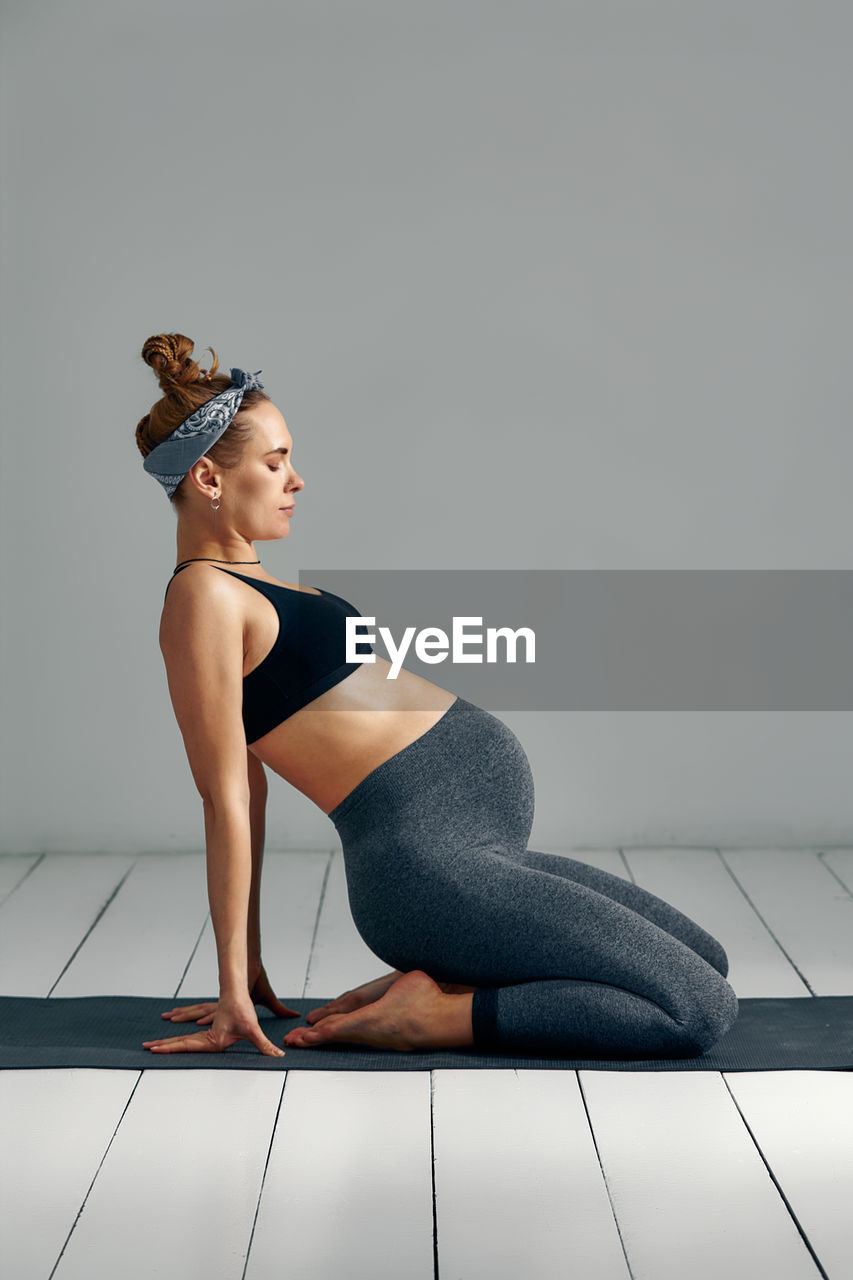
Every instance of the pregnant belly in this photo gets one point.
(326, 748)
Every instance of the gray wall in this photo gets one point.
(539, 284)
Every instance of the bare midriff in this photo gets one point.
(329, 746)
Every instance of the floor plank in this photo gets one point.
(291, 887)
(13, 870)
(689, 1187)
(803, 1124)
(519, 1190)
(119, 957)
(698, 882)
(49, 915)
(55, 1126)
(690, 1190)
(348, 1189)
(171, 889)
(178, 1190)
(806, 909)
(840, 862)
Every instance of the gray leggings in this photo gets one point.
(566, 959)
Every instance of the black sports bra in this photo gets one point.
(305, 659)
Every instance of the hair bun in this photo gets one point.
(170, 356)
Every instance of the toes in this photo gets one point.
(315, 1015)
(312, 1035)
(301, 1038)
(326, 1010)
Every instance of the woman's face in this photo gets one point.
(258, 494)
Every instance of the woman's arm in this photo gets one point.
(201, 638)
(259, 985)
(257, 822)
(229, 873)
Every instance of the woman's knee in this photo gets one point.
(711, 1014)
(717, 957)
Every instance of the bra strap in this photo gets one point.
(178, 569)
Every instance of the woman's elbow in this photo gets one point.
(224, 801)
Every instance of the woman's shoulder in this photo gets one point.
(195, 595)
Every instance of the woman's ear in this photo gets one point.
(204, 476)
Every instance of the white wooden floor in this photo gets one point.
(531, 1175)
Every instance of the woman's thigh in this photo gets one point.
(488, 920)
(632, 895)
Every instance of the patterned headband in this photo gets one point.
(172, 458)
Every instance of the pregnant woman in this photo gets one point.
(492, 944)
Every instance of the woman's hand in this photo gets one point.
(203, 1013)
(260, 992)
(234, 1019)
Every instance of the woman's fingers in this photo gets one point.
(211, 1041)
(188, 1012)
(203, 1042)
(263, 994)
(280, 1010)
(267, 1047)
(242, 1026)
(200, 1043)
(271, 1001)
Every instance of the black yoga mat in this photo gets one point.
(808, 1033)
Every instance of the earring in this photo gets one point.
(215, 504)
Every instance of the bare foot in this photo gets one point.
(367, 993)
(413, 1014)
